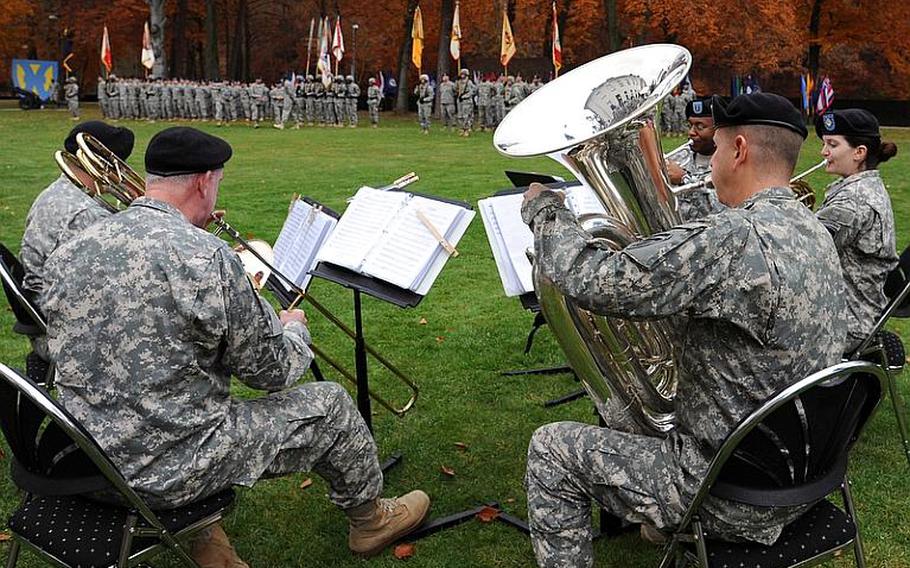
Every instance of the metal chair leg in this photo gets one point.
(13, 554)
(899, 413)
(700, 545)
(851, 510)
(127, 544)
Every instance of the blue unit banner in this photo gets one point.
(35, 76)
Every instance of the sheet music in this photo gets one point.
(510, 239)
(301, 237)
(582, 200)
(405, 254)
(362, 227)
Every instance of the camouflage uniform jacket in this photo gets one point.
(446, 91)
(148, 319)
(699, 202)
(59, 213)
(754, 297)
(857, 212)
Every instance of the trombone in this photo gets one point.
(98, 172)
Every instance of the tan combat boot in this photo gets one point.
(212, 549)
(379, 523)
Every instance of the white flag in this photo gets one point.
(455, 41)
(148, 54)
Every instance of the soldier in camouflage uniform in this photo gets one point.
(692, 162)
(353, 96)
(374, 97)
(153, 99)
(62, 210)
(277, 95)
(245, 102)
(102, 97)
(498, 101)
(762, 275)
(857, 213)
(424, 92)
(445, 90)
(71, 91)
(299, 103)
(153, 383)
(259, 93)
(465, 90)
(112, 95)
(319, 100)
(341, 92)
(309, 93)
(484, 102)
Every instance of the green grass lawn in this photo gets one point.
(471, 333)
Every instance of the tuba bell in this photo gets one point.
(601, 121)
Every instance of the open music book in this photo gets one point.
(510, 239)
(389, 235)
(305, 230)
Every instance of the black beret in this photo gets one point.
(183, 150)
(848, 122)
(699, 108)
(758, 108)
(119, 140)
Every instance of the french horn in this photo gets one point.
(601, 121)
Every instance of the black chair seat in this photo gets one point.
(83, 533)
(822, 529)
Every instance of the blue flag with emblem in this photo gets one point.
(35, 76)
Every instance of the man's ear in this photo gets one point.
(741, 149)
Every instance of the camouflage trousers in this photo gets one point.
(466, 115)
(570, 464)
(449, 115)
(424, 110)
(73, 106)
(352, 112)
(374, 112)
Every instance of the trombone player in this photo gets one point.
(691, 162)
(755, 298)
(145, 359)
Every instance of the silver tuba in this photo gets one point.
(601, 121)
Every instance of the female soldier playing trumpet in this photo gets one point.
(857, 213)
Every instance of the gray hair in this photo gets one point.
(184, 179)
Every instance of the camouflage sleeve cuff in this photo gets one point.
(542, 207)
(300, 330)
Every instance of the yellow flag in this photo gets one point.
(417, 39)
(508, 41)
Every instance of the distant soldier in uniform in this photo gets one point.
(424, 92)
(516, 91)
(340, 91)
(71, 92)
(353, 96)
(257, 108)
(374, 97)
(113, 97)
(299, 103)
(287, 107)
(153, 99)
(445, 90)
(246, 102)
(535, 84)
(484, 103)
(857, 212)
(319, 100)
(762, 274)
(465, 90)
(195, 321)
(694, 163)
(309, 93)
(218, 101)
(498, 101)
(102, 97)
(276, 95)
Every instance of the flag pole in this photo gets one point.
(309, 45)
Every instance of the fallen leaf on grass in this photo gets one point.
(440, 339)
(5, 536)
(447, 471)
(487, 514)
(404, 550)
(423, 321)
(306, 483)
(510, 500)
(461, 446)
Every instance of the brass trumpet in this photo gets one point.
(101, 174)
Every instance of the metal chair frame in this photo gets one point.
(137, 508)
(691, 521)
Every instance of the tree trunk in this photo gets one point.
(815, 46)
(157, 21)
(612, 25)
(179, 52)
(404, 59)
(447, 12)
(239, 64)
(211, 42)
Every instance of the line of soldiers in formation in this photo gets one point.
(306, 101)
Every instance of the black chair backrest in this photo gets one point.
(11, 277)
(46, 460)
(797, 454)
(897, 280)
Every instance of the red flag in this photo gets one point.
(557, 47)
(338, 41)
(825, 96)
(106, 57)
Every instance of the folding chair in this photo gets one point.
(791, 451)
(29, 319)
(57, 463)
(886, 348)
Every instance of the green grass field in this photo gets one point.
(471, 333)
